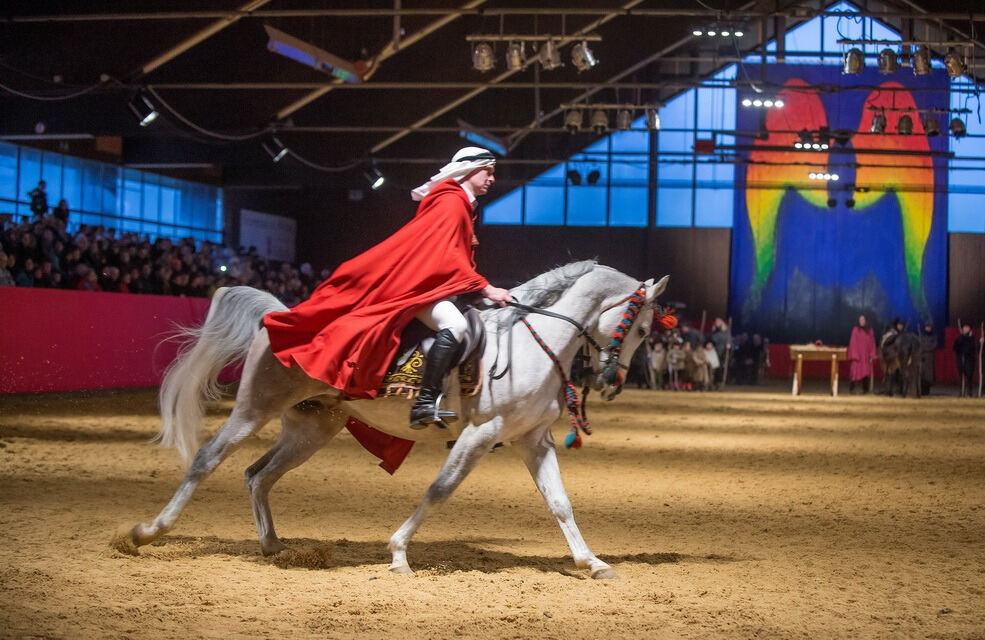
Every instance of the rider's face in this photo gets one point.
(481, 180)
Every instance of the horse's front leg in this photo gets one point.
(540, 456)
(471, 445)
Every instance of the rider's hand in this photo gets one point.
(497, 295)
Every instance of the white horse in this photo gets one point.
(517, 408)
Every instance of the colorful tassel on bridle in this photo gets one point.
(612, 373)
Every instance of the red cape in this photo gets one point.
(348, 331)
(861, 351)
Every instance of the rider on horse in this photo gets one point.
(348, 331)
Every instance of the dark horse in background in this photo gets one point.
(900, 357)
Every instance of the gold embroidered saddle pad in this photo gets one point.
(403, 378)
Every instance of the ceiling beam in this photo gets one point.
(388, 51)
(199, 36)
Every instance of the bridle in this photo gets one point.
(612, 369)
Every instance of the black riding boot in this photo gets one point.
(440, 359)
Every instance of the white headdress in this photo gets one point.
(464, 162)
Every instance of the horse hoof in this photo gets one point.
(605, 573)
(125, 542)
(273, 548)
(402, 569)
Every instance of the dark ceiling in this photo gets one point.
(106, 60)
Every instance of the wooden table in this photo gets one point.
(801, 352)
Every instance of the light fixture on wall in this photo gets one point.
(718, 31)
(888, 62)
(931, 125)
(763, 103)
(143, 109)
(483, 58)
(905, 125)
(823, 175)
(276, 149)
(582, 57)
(854, 61)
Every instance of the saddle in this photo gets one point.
(403, 377)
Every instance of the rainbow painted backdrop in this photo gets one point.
(802, 270)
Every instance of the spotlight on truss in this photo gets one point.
(593, 176)
(931, 125)
(143, 109)
(624, 119)
(374, 177)
(954, 64)
(573, 120)
(957, 127)
(805, 139)
(574, 177)
(483, 58)
(905, 126)
(878, 123)
(276, 149)
(549, 56)
(887, 61)
(515, 56)
(854, 61)
(652, 119)
(600, 121)
(312, 56)
(921, 61)
(582, 57)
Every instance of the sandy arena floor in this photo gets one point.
(727, 515)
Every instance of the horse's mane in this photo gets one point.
(543, 290)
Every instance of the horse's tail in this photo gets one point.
(225, 337)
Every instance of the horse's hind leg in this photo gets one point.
(266, 390)
(307, 427)
(471, 445)
(540, 456)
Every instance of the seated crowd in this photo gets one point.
(41, 252)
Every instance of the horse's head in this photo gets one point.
(622, 326)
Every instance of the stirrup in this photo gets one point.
(436, 419)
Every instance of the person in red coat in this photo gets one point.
(861, 353)
(348, 331)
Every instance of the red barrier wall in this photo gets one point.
(57, 340)
(945, 364)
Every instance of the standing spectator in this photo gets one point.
(861, 353)
(721, 336)
(6, 278)
(965, 349)
(928, 345)
(697, 368)
(675, 365)
(692, 335)
(25, 275)
(61, 212)
(39, 200)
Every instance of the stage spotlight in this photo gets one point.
(483, 58)
(593, 176)
(600, 121)
(835, 177)
(905, 126)
(957, 127)
(515, 56)
(931, 126)
(697, 32)
(143, 109)
(746, 102)
(549, 55)
(652, 119)
(276, 150)
(879, 123)
(582, 57)
(624, 119)
(854, 61)
(739, 33)
(850, 203)
(812, 175)
(921, 61)
(374, 177)
(955, 65)
(574, 177)
(887, 61)
(711, 33)
(832, 203)
(725, 33)
(573, 120)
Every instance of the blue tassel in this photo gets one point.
(569, 440)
